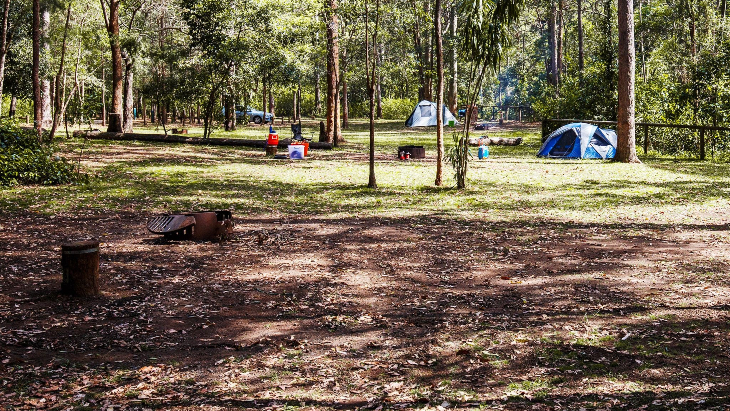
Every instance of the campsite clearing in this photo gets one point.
(547, 284)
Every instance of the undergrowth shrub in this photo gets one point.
(25, 160)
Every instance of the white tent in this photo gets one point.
(424, 115)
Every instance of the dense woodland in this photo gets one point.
(184, 59)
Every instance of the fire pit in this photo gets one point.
(199, 226)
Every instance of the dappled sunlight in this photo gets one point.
(545, 283)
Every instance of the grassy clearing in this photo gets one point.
(512, 184)
(512, 294)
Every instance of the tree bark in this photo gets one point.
(3, 46)
(46, 90)
(80, 263)
(439, 94)
(333, 69)
(378, 90)
(128, 119)
(37, 98)
(60, 84)
(553, 45)
(345, 102)
(580, 38)
(112, 28)
(317, 98)
(13, 105)
(453, 84)
(559, 61)
(371, 78)
(272, 107)
(103, 97)
(626, 128)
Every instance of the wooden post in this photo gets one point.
(702, 143)
(271, 150)
(80, 263)
(646, 139)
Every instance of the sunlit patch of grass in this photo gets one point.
(512, 184)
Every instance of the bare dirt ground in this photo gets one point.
(368, 313)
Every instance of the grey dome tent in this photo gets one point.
(424, 115)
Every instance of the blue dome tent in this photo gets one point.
(579, 140)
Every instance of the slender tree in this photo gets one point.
(626, 130)
(3, 45)
(111, 22)
(37, 98)
(371, 65)
(439, 93)
(332, 124)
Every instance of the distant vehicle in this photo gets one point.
(256, 116)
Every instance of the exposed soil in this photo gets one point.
(371, 313)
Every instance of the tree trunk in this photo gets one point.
(580, 37)
(60, 83)
(626, 129)
(103, 97)
(299, 100)
(345, 102)
(46, 90)
(3, 47)
(294, 105)
(272, 108)
(80, 263)
(333, 69)
(37, 98)
(144, 110)
(317, 99)
(264, 92)
(553, 45)
(128, 119)
(559, 61)
(228, 113)
(453, 84)
(112, 27)
(371, 76)
(439, 94)
(13, 105)
(378, 89)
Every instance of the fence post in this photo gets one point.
(646, 139)
(702, 143)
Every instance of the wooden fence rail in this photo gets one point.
(548, 126)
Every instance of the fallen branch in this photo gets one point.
(495, 141)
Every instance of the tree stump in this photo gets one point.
(271, 150)
(80, 263)
(115, 123)
(322, 132)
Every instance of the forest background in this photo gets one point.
(189, 59)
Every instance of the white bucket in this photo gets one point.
(296, 152)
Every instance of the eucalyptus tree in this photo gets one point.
(626, 130)
(110, 12)
(332, 122)
(371, 65)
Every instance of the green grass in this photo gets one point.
(512, 184)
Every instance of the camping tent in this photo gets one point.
(579, 140)
(425, 115)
